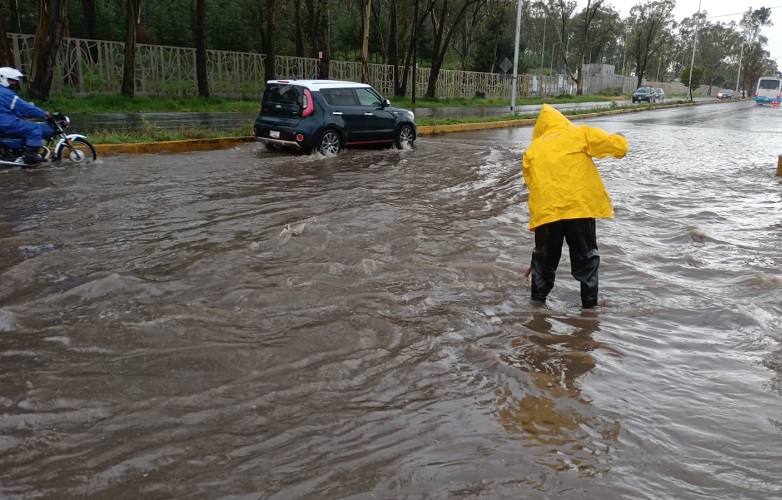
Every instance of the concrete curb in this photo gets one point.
(171, 146)
(229, 142)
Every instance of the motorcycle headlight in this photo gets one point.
(65, 121)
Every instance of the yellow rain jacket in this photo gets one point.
(563, 180)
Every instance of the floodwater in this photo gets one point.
(246, 325)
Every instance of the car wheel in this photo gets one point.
(329, 144)
(405, 137)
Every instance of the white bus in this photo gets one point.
(769, 90)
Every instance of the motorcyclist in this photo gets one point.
(12, 111)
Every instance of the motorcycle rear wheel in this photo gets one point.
(82, 152)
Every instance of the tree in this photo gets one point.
(6, 57)
(90, 24)
(753, 42)
(697, 78)
(52, 17)
(129, 64)
(587, 15)
(495, 38)
(271, 37)
(319, 30)
(366, 11)
(201, 74)
(444, 23)
(649, 25)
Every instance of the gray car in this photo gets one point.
(645, 94)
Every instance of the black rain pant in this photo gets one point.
(584, 257)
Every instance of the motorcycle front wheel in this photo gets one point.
(80, 152)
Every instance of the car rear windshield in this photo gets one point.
(770, 84)
(284, 99)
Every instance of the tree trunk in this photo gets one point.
(298, 28)
(365, 42)
(393, 58)
(6, 56)
(442, 32)
(88, 8)
(325, 42)
(271, 35)
(16, 19)
(201, 73)
(129, 66)
(48, 36)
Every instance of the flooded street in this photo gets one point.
(242, 324)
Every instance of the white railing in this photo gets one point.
(90, 67)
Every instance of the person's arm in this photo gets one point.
(601, 144)
(27, 110)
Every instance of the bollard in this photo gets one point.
(779, 166)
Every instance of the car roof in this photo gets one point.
(316, 85)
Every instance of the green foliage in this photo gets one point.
(697, 77)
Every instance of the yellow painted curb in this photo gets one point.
(171, 146)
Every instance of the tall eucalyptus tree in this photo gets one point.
(587, 16)
(6, 57)
(650, 27)
(52, 18)
(445, 19)
(201, 45)
(271, 40)
(128, 88)
(753, 60)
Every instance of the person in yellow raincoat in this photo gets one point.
(566, 195)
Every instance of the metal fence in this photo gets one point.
(91, 67)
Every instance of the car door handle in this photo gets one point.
(336, 112)
(369, 114)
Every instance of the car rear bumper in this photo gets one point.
(280, 143)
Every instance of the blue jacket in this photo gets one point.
(13, 108)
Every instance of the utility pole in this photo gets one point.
(738, 74)
(516, 58)
(694, 44)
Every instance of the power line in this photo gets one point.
(741, 13)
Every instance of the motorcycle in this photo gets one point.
(58, 145)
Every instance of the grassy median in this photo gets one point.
(152, 133)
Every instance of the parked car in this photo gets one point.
(328, 115)
(646, 94)
(725, 94)
(659, 94)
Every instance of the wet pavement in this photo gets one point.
(242, 324)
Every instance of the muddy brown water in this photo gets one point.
(241, 324)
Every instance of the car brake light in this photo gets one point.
(308, 106)
(299, 137)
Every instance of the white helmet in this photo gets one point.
(7, 74)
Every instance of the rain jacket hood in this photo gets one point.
(558, 169)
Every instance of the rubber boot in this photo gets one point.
(32, 155)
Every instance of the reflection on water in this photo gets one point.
(554, 415)
(241, 324)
